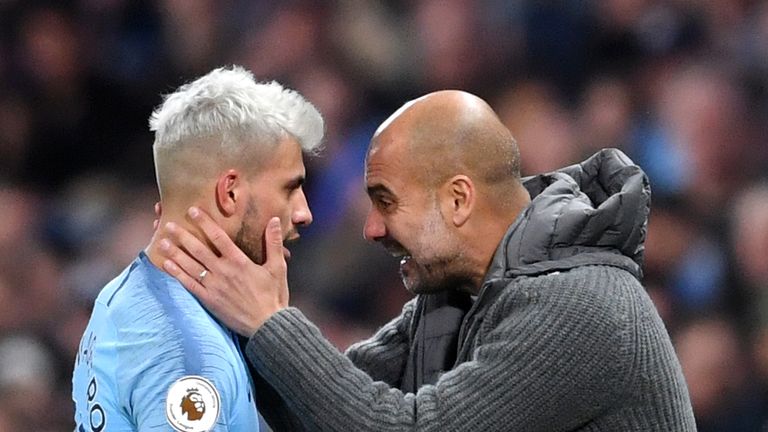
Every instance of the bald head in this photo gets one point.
(451, 132)
(443, 177)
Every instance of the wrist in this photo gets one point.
(250, 328)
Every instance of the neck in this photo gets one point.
(487, 237)
(482, 246)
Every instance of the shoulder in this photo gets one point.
(597, 302)
(148, 323)
(594, 306)
(592, 287)
(151, 340)
(141, 305)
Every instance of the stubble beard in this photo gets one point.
(249, 239)
(445, 273)
(444, 270)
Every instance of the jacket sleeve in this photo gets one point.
(538, 368)
(384, 355)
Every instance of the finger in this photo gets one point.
(181, 259)
(191, 246)
(220, 240)
(188, 281)
(273, 238)
(158, 213)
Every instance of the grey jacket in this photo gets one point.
(562, 337)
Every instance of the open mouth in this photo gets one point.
(399, 253)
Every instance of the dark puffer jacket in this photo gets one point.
(562, 337)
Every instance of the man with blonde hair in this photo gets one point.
(152, 358)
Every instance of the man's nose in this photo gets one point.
(302, 215)
(374, 228)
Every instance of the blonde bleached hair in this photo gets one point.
(229, 104)
(226, 118)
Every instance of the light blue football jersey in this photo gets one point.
(152, 358)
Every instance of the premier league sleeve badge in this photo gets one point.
(192, 404)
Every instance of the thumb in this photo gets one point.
(275, 260)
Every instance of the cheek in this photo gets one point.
(418, 243)
(434, 241)
(279, 204)
(274, 208)
(405, 232)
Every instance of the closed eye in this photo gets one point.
(294, 184)
(384, 204)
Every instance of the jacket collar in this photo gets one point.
(595, 212)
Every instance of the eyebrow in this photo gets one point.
(378, 189)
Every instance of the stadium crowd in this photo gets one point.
(679, 85)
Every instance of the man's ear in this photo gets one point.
(460, 194)
(227, 192)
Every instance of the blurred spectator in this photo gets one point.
(373, 41)
(750, 236)
(192, 32)
(8, 421)
(749, 239)
(15, 129)
(26, 383)
(605, 114)
(716, 368)
(283, 39)
(703, 114)
(684, 258)
(447, 35)
(542, 126)
(19, 216)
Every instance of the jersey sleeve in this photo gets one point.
(190, 402)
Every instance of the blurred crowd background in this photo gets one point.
(679, 85)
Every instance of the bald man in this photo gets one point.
(528, 315)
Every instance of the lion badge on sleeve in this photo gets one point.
(192, 404)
